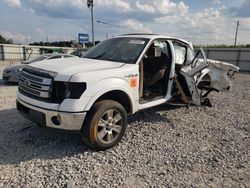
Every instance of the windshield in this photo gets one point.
(123, 49)
(40, 58)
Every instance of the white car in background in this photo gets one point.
(11, 73)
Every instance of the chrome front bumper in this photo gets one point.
(50, 118)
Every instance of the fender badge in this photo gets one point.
(131, 75)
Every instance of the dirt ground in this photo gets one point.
(166, 146)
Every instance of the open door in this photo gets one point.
(192, 72)
(155, 68)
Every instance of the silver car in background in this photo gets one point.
(11, 73)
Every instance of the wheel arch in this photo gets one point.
(117, 95)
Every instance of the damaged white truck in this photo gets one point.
(117, 78)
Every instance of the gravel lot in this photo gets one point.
(167, 146)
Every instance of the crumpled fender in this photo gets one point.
(220, 74)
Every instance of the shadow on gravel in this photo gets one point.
(154, 115)
(22, 140)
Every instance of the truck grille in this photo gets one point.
(35, 84)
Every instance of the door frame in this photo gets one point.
(170, 78)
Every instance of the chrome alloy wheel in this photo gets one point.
(109, 126)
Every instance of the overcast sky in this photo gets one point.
(200, 21)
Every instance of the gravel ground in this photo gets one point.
(167, 146)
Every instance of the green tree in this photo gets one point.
(9, 41)
(4, 41)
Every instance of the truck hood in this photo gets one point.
(65, 68)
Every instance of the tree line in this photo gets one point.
(223, 46)
(75, 44)
(72, 43)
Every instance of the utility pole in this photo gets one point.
(236, 34)
(90, 4)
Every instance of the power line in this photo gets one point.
(114, 25)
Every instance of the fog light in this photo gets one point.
(56, 120)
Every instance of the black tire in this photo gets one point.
(98, 130)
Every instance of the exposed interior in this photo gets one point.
(186, 82)
(154, 71)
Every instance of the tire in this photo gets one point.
(105, 125)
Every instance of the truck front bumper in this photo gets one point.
(51, 118)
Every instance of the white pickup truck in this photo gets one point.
(117, 78)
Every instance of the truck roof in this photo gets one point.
(153, 36)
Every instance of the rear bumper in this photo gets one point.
(51, 118)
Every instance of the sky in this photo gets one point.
(199, 21)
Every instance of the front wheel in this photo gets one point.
(105, 125)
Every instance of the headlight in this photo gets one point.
(6, 71)
(67, 90)
(17, 70)
(12, 71)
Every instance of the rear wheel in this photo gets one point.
(105, 125)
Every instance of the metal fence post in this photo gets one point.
(24, 53)
(2, 51)
(208, 51)
(238, 58)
